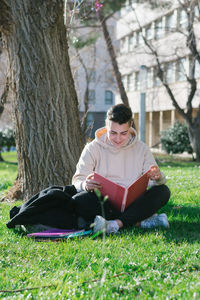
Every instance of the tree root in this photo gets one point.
(14, 193)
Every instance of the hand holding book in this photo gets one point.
(154, 173)
(91, 184)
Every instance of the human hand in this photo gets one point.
(154, 173)
(91, 184)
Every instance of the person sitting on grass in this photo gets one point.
(117, 154)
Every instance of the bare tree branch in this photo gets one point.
(111, 52)
(160, 74)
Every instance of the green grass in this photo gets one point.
(135, 264)
(8, 171)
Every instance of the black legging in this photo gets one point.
(87, 205)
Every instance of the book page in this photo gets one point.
(137, 189)
(114, 191)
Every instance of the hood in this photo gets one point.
(101, 138)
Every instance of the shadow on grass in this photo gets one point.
(182, 231)
(9, 162)
(179, 164)
(184, 224)
(185, 210)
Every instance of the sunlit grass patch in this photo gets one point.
(8, 171)
(135, 264)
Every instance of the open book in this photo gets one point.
(119, 196)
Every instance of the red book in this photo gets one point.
(119, 196)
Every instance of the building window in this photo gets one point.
(109, 97)
(149, 78)
(181, 69)
(111, 29)
(130, 42)
(158, 29)
(123, 45)
(170, 72)
(170, 23)
(91, 96)
(197, 11)
(109, 77)
(139, 38)
(197, 69)
(124, 80)
(92, 76)
(90, 120)
(130, 82)
(183, 18)
(156, 81)
(149, 32)
(137, 81)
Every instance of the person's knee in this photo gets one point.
(86, 204)
(70, 189)
(85, 199)
(161, 193)
(166, 192)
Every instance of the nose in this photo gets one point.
(118, 138)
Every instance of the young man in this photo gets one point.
(116, 154)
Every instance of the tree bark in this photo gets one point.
(194, 135)
(111, 52)
(48, 134)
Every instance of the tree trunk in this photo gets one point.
(111, 52)
(194, 135)
(45, 106)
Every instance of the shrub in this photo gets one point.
(175, 139)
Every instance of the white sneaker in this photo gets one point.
(100, 224)
(155, 221)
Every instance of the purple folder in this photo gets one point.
(59, 233)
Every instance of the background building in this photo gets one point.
(93, 74)
(164, 29)
(6, 116)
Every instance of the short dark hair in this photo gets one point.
(120, 114)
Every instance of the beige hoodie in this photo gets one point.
(122, 165)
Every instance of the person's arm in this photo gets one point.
(91, 184)
(155, 175)
(83, 177)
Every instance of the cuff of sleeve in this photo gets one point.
(83, 186)
(162, 180)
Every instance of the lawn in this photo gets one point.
(135, 264)
(8, 171)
